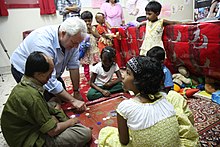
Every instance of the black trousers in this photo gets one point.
(18, 75)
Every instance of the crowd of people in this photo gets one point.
(32, 115)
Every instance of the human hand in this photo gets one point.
(106, 93)
(73, 121)
(79, 105)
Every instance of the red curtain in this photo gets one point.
(3, 8)
(47, 7)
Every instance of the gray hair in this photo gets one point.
(74, 25)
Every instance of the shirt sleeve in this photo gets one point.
(39, 110)
(60, 115)
(168, 81)
(122, 108)
(95, 69)
(53, 85)
(74, 62)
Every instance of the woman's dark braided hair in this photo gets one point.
(149, 75)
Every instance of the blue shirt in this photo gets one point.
(168, 81)
(46, 40)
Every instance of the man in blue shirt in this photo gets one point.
(61, 44)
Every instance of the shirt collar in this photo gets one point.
(33, 83)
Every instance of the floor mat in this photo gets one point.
(207, 120)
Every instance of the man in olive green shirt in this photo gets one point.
(26, 118)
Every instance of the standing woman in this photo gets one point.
(113, 13)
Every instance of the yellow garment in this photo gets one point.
(153, 36)
(164, 133)
(188, 134)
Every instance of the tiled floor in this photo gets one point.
(7, 82)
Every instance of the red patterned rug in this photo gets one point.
(207, 120)
(206, 114)
(84, 86)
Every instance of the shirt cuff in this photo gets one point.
(54, 87)
(50, 124)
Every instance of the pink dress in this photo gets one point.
(114, 14)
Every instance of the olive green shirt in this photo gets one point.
(26, 117)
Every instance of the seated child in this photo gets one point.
(101, 79)
(103, 29)
(148, 119)
(89, 45)
(158, 53)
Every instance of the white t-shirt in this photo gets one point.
(144, 115)
(103, 76)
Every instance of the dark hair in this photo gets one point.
(109, 52)
(36, 62)
(156, 52)
(86, 15)
(149, 75)
(115, 1)
(153, 6)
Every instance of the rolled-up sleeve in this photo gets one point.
(73, 62)
(39, 110)
(50, 124)
(53, 85)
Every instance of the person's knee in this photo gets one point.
(77, 135)
(88, 134)
(93, 95)
(84, 136)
